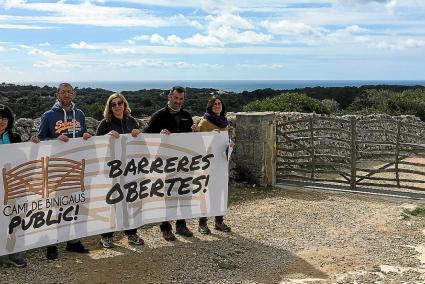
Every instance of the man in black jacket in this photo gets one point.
(172, 119)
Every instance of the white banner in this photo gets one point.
(54, 191)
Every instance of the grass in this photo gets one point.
(418, 212)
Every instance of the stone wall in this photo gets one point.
(255, 155)
(28, 127)
(256, 147)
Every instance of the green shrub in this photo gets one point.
(288, 102)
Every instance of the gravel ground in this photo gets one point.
(278, 236)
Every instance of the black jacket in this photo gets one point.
(122, 126)
(179, 122)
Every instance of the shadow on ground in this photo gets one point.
(217, 258)
(239, 195)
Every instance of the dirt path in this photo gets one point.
(279, 236)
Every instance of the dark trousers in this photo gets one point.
(70, 242)
(166, 226)
(126, 232)
(203, 220)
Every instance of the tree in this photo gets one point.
(288, 102)
(332, 105)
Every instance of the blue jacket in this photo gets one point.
(56, 122)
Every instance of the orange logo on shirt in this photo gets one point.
(61, 125)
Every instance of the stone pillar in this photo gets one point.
(256, 147)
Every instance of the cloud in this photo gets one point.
(47, 59)
(221, 30)
(260, 66)
(44, 44)
(203, 40)
(164, 64)
(187, 21)
(57, 64)
(85, 13)
(228, 20)
(141, 37)
(37, 52)
(10, 72)
(365, 1)
(348, 34)
(23, 27)
(390, 5)
(399, 44)
(285, 27)
(158, 39)
(82, 45)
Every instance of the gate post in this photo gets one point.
(256, 146)
(353, 158)
(397, 153)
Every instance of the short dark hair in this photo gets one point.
(179, 89)
(6, 112)
(211, 103)
(64, 85)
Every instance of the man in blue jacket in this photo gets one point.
(62, 122)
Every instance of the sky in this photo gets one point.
(119, 40)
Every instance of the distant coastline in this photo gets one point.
(236, 86)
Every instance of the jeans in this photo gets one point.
(203, 220)
(126, 232)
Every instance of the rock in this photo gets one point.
(91, 125)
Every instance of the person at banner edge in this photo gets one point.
(118, 120)
(214, 119)
(62, 122)
(172, 119)
(7, 136)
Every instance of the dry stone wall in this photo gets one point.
(255, 155)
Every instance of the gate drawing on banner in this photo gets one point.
(379, 152)
(43, 177)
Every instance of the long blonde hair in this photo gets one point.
(107, 113)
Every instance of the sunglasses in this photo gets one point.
(113, 104)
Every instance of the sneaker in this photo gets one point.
(52, 253)
(204, 230)
(184, 231)
(134, 239)
(107, 242)
(168, 236)
(77, 247)
(19, 262)
(222, 227)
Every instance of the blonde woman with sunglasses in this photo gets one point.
(118, 120)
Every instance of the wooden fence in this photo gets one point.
(367, 152)
(42, 177)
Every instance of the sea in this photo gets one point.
(236, 86)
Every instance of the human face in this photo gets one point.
(176, 100)
(65, 95)
(217, 107)
(117, 106)
(3, 124)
